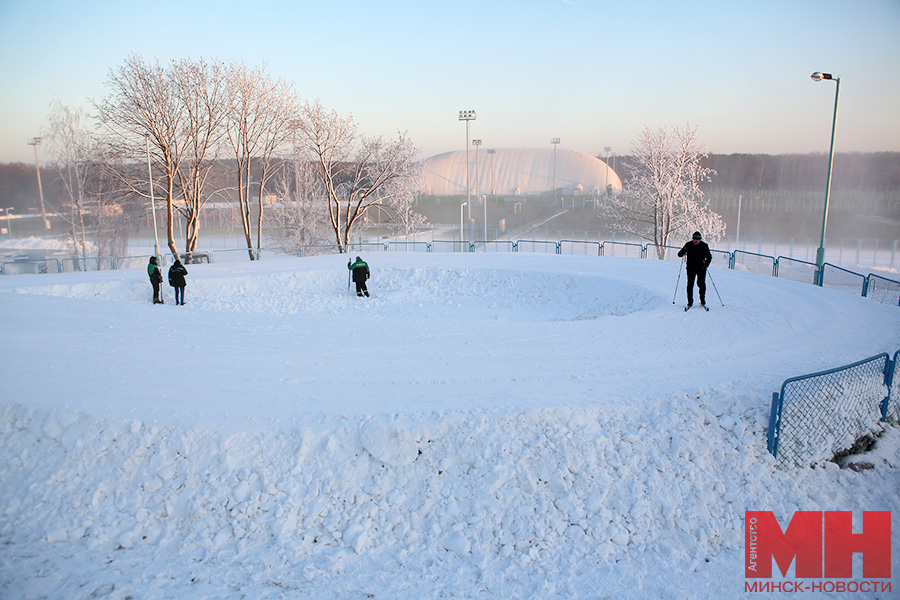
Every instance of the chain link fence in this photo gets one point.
(580, 248)
(796, 270)
(816, 416)
(837, 278)
(885, 291)
(755, 263)
(624, 249)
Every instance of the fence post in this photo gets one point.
(775, 423)
(889, 382)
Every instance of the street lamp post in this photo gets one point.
(607, 149)
(8, 222)
(555, 142)
(152, 200)
(461, 229)
(467, 115)
(491, 152)
(484, 200)
(817, 76)
(37, 167)
(476, 143)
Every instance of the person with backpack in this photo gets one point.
(176, 280)
(360, 274)
(698, 259)
(155, 280)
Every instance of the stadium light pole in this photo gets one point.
(555, 142)
(467, 115)
(37, 167)
(152, 200)
(817, 76)
(476, 143)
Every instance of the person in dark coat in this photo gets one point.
(360, 275)
(155, 280)
(698, 259)
(176, 280)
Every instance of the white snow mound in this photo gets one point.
(482, 426)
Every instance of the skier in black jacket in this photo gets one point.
(698, 259)
(176, 280)
(360, 275)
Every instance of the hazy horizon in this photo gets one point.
(592, 74)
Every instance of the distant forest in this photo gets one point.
(874, 171)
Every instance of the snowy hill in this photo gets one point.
(483, 426)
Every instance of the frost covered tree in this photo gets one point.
(358, 174)
(661, 199)
(297, 218)
(259, 124)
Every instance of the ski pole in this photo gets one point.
(714, 287)
(678, 280)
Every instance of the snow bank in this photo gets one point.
(482, 427)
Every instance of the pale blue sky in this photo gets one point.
(592, 73)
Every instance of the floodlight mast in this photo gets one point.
(820, 253)
(467, 115)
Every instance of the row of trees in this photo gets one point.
(179, 121)
(165, 131)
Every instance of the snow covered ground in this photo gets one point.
(485, 426)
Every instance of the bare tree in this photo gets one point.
(71, 146)
(144, 100)
(258, 125)
(181, 110)
(203, 94)
(358, 174)
(661, 196)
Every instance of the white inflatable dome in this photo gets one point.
(517, 171)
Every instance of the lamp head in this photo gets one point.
(818, 76)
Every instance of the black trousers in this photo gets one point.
(361, 289)
(157, 294)
(700, 276)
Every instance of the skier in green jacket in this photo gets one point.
(155, 280)
(360, 275)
